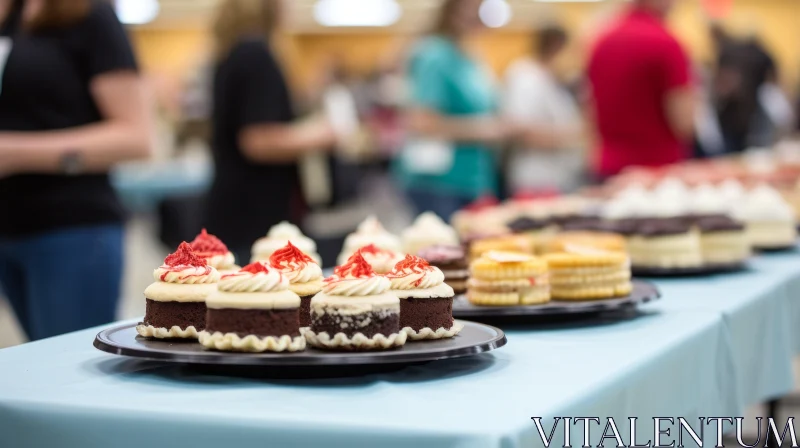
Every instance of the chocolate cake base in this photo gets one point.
(180, 314)
(426, 313)
(260, 323)
(305, 311)
(378, 324)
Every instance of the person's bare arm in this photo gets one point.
(459, 129)
(125, 133)
(276, 143)
(680, 108)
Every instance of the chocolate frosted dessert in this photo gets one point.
(176, 302)
(304, 274)
(253, 311)
(452, 261)
(426, 302)
(355, 310)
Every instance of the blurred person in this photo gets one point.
(549, 156)
(72, 105)
(641, 92)
(448, 161)
(257, 139)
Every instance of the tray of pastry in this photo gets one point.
(642, 292)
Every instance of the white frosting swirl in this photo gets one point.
(186, 275)
(244, 281)
(221, 261)
(356, 286)
(428, 230)
(409, 278)
(370, 232)
(278, 236)
(302, 272)
(764, 204)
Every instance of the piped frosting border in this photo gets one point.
(357, 342)
(176, 332)
(251, 343)
(430, 333)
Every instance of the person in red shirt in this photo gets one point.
(641, 92)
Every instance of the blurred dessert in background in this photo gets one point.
(452, 261)
(278, 236)
(428, 230)
(508, 279)
(371, 232)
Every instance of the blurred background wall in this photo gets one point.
(176, 42)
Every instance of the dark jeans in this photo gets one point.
(443, 204)
(63, 281)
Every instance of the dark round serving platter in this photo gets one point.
(697, 271)
(473, 339)
(778, 249)
(643, 292)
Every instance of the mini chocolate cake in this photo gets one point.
(426, 302)
(355, 310)
(426, 313)
(253, 311)
(452, 261)
(304, 274)
(175, 306)
(180, 314)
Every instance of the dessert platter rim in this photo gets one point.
(474, 338)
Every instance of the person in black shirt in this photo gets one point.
(71, 105)
(256, 139)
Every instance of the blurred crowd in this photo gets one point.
(434, 118)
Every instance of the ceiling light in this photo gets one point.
(495, 13)
(357, 12)
(136, 12)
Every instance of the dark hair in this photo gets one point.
(444, 21)
(56, 13)
(549, 40)
(238, 18)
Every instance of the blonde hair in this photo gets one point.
(239, 18)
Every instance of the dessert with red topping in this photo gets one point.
(214, 251)
(253, 310)
(277, 237)
(371, 233)
(176, 302)
(304, 274)
(381, 260)
(452, 261)
(426, 301)
(355, 310)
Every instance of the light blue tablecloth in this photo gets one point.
(760, 309)
(709, 347)
(63, 392)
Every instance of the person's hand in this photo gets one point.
(493, 130)
(320, 133)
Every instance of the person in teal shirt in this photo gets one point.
(448, 160)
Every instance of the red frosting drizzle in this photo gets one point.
(208, 244)
(184, 256)
(356, 266)
(417, 265)
(374, 250)
(255, 268)
(289, 255)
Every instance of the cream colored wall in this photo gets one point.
(171, 54)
